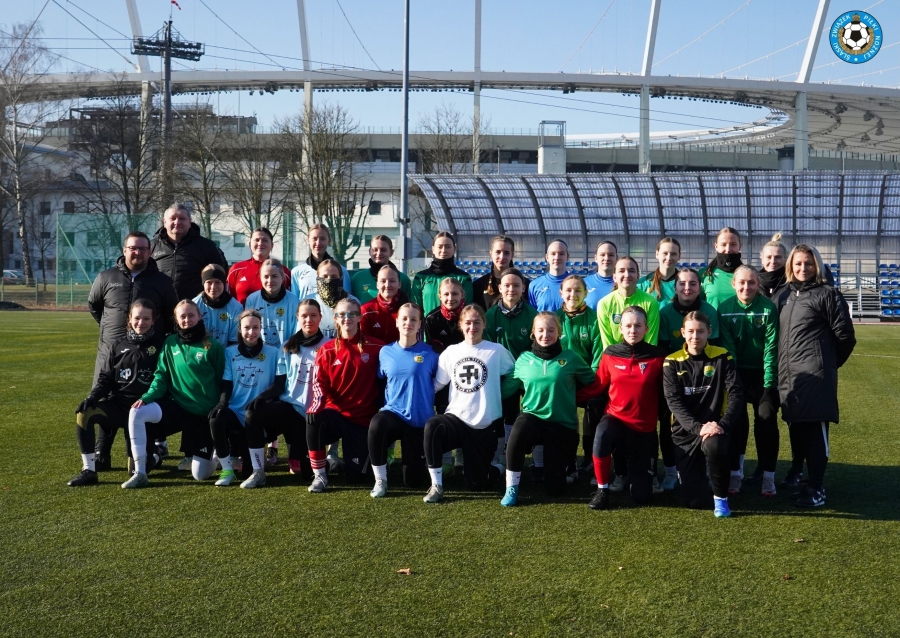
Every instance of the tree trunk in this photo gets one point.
(23, 240)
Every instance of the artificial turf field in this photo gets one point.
(183, 558)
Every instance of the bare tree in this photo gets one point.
(444, 142)
(26, 104)
(42, 230)
(320, 151)
(198, 172)
(255, 180)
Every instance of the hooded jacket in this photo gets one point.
(184, 262)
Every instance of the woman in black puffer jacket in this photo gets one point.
(816, 338)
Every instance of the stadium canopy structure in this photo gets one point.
(849, 215)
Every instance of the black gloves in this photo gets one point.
(86, 405)
(769, 403)
(214, 413)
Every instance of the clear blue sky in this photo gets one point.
(518, 35)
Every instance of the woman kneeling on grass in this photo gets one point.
(409, 367)
(185, 388)
(704, 394)
(251, 370)
(631, 372)
(475, 371)
(549, 375)
(346, 395)
(124, 377)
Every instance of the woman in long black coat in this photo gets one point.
(816, 338)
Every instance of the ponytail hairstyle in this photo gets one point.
(745, 267)
(712, 264)
(190, 302)
(696, 315)
(348, 301)
(330, 262)
(319, 226)
(656, 280)
(216, 272)
(632, 260)
(776, 243)
(506, 239)
(513, 271)
(293, 344)
(385, 239)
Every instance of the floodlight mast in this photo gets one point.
(163, 44)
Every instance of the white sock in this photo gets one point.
(673, 470)
(769, 476)
(437, 475)
(140, 463)
(512, 478)
(721, 498)
(202, 468)
(537, 455)
(87, 462)
(742, 465)
(605, 486)
(333, 451)
(447, 459)
(225, 462)
(737, 473)
(380, 472)
(320, 473)
(257, 457)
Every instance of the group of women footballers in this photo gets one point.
(494, 370)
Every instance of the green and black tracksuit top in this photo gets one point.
(363, 282)
(581, 333)
(427, 284)
(511, 330)
(750, 334)
(550, 385)
(189, 373)
(666, 288)
(700, 389)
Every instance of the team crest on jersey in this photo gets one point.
(261, 356)
(151, 350)
(676, 333)
(524, 331)
(145, 376)
(125, 373)
(365, 357)
(617, 318)
(199, 356)
(760, 321)
(584, 336)
(280, 312)
(562, 362)
(418, 358)
(469, 375)
(643, 367)
(708, 371)
(365, 287)
(223, 316)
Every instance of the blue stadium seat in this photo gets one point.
(893, 266)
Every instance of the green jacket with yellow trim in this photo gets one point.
(750, 333)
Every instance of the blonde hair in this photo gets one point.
(744, 267)
(578, 278)
(817, 258)
(450, 281)
(550, 316)
(412, 306)
(776, 243)
(696, 315)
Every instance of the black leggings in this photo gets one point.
(110, 415)
(387, 427)
(230, 436)
(448, 432)
(812, 439)
(270, 419)
(691, 464)
(638, 447)
(666, 446)
(329, 426)
(765, 430)
(560, 445)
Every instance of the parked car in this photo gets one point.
(13, 277)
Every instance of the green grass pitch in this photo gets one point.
(187, 559)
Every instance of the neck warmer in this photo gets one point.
(728, 262)
(331, 291)
(771, 280)
(311, 340)
(443, 266)
(314, 263)
(135, 338)
(191, 335)
(451, 315)
(249, 351)
(550, 352)
(513, 312)
(391, 306)
(574, 313)
(682, 309)
(278, 296)
(221, 302)
(374, 268)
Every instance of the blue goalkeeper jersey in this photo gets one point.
(221, 323)
(250, 376)
(279, 318)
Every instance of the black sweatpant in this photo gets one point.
(797, 457)
(666, 446)
(110, 415)
(691, 464)
(765, 430)
(230, 438)
(812, 437)
(447, 432)
(330, 426)
(274, 418)
(560, 445)
(639, 448)
(387, 427)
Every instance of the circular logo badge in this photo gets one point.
(469, 374)
(855, 37)
(617, 318)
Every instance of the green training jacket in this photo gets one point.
(363, 283)
(671, 320)
(581, 333)
(550, 385)
(716, 286)
(426, 285)
(190, 373)
(514, 333)
(750, 334)
(666, 288)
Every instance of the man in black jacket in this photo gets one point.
(182, 253)
(134, 276)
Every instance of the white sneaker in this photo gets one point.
(138, 479)
(319, 485)
(618, 484)
(435, 494)
(185, 464)
(379, 490)
(768, 487)
(257, 479)
(734, 485)
(226, 478)
(657, 488)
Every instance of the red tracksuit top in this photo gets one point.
(243, 279)
(379, 319)
(633, 375)
(346, 380)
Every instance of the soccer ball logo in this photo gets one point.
(856, 37)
